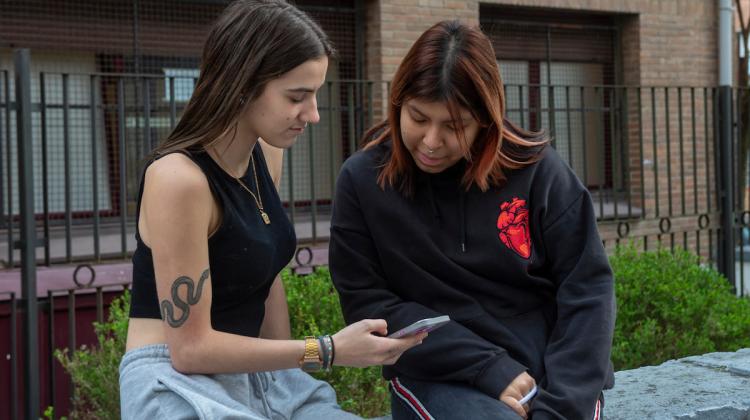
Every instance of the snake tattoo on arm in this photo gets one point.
(167, 307)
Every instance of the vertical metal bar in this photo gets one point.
(94, 168)
(71, 326)
(147, 115)
(669, 149)
(706, 136)
(551, 107)
(682, 151)
(695, 168)
(521, 105)
(331, 139)
(313, 199)
(583, 137)
(350, 111)
(625, 147)
(290, 165)
(3, 139)
(550, 97)
(13, 355)
(370, 110)
(9, 177)
(642, 154)
(123, 166)
(612, 140)
(742, 260)
(726, 181)
(682, 162)
(51, 347)
(359, 109)
(569, 131)
(695, 151)
(99, 305)
(734, 152)
(172, 104)
(66, 165)
(714, 262)
(22, 59)
(600, 159)
(45, 181)
(656, 152)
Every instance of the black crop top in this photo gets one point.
(244, 253)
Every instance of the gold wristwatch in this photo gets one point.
(311, 361)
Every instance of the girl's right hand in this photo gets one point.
(358, 345)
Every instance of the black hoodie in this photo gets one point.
(520, 270)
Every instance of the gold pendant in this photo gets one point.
(265, 217)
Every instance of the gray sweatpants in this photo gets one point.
(151, 389)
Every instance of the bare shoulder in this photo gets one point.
(175, 179)
(274, 158)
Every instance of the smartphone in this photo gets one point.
(428, 324)
(528, 396)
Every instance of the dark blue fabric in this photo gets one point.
(245, 255)
(449, 400)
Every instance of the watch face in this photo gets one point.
(311, 366)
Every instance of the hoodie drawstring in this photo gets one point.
(260, 387)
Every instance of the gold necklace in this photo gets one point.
(258, 199)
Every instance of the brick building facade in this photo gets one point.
(625, 87)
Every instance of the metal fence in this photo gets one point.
(91, 133)
(66, 319)
(647, 154)
(650, 157)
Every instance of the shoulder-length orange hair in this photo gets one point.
(455, 64)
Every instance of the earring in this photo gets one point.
(243, 99)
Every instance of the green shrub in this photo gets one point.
(94, 371)
(314, 309)
(670, 306)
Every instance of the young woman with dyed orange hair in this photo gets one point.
(451, 209)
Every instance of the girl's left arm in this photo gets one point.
(577, 358)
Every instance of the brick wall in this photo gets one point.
(665, 41)
(662, 43)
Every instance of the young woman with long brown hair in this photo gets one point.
(451, 209)
(209, 333)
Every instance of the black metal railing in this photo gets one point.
(64, 313)
(647, 154)
(650, 156)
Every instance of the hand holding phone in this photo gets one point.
(424, 325)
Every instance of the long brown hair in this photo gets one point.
(455, 64)
(250, 44)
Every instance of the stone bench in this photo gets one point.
(714, 386)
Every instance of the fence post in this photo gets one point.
(27, 241)
(726, 201)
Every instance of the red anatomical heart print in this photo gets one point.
(513, 224)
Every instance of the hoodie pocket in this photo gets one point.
(524, 336)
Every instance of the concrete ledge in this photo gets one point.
(714, 386)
